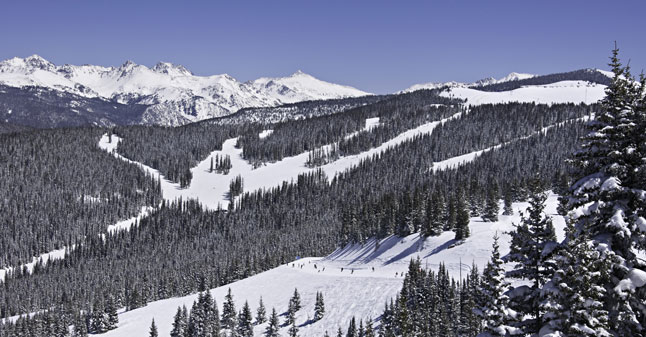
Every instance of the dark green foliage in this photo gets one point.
(153, 330)
(272, 328)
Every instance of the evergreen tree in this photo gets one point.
(245, 326)
(261, 314)
(507, 204)
(272, 328)
(153, 330)
(532, 246)
(494, 309)
(607, 194)
(99, 319)
(111, 312)
(462, 219)
(370, 331)
(179, 323)
(352, 328)
(490, 212)
(293, 307)
(319, 307)
(229, 316)
(574, 297)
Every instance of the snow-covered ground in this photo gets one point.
(211, 188)
(559, 92)
(356, 290)
(44, 258)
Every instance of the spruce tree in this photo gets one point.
(293, 330)
(111, 312)
(462, 219)
(179, 323)
(229, 316)
(507, 204)
(352, 328)
(261, 313)
(574, 297)
(319, 307)
(607, 197)
(490, 212)
(245, 326)
(272, 328)
(153, 330)
(494, 309)
(532, 245)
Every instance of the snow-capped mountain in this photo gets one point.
(482, 82)
(172, 94)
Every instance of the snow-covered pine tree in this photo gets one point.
(490, 211)
(607, 197)
(319, 306)
(261, 313)
(574, 296)
(153, 330)
(293, 307)
(532, 246)
(179, 323)
(229, 315)
(272, 328)
(245, 326)
(352, 328)
(494, 310)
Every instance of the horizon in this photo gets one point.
(376, 47)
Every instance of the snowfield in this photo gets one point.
(350, 285)
(559, 92)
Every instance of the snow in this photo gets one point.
(265, 133)
(453, 84)
(126, 224)
(636, 278)
(357, 290)
(46, 257)
(559, 92)
(168, 87)
(212, 189)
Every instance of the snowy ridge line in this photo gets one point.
(211, 189)
(358, 290)
(457, 161)
(559, 92)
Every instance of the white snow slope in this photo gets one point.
(559, 92)
(453, 84)
(174, 93)
(356, 291)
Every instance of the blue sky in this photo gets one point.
(377, 46)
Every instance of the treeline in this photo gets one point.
(296, 137)
(175, 150)
(589, 75)
(59, 187)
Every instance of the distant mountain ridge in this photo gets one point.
(169, 94)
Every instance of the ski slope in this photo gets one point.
(357, 290)
(211, 188)
(559, 92)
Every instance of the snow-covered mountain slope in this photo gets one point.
(172, 94)
(355, 280)
(559, 92)
(453, 84)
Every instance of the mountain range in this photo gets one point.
(166, 94)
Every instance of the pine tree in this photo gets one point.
(352, 328)
(261, 314)
(574, 297)
(153, 330)
(490, 212)
(179, 323)
(99, 319)
(319, 307)
(111, 312)
(229, 316)
(272, 327)
(607, 195)
(462, 219)
(370, 331)
(494, 309)
(293, 307)
(532, 246)
(245, 326)
(507, 204)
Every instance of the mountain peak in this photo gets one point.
(36, 61)
(171, 69)
(300, 73)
